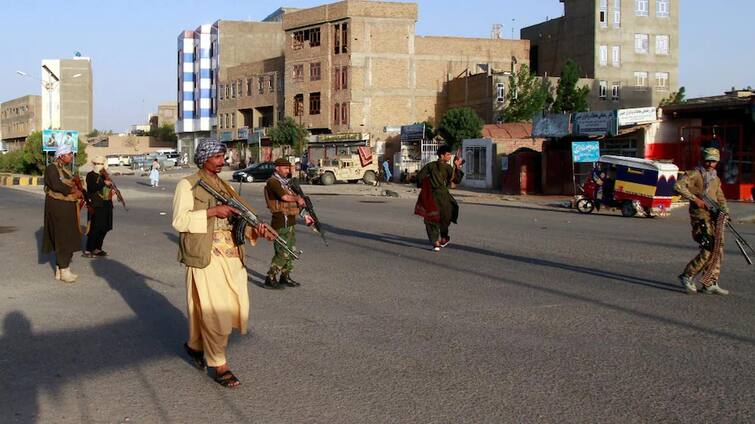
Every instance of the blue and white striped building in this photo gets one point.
(197, 81)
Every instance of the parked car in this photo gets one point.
(144, 162)
(257, 172)
(117, 160)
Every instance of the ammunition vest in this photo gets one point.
(279, 206)
(66, 178)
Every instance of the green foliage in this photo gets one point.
(289, 133)
(165, 132)
(569, 98)
(674, 98)
(94, 133)
(31, 159)
(459, 124)
(527, 96)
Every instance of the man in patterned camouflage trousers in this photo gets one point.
(705, 230)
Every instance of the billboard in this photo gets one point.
(51, 139)
(639, 115)
(585, 151)
(597, 124)
(554, 125)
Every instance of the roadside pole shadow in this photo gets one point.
(43, 258)
(397, 240)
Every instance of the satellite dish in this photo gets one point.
(77, 54)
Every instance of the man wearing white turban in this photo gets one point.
(62, 232)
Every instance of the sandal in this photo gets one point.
(227, 380)
(100, 253)
(197, 356)
(87, 254)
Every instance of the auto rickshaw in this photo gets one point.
(630, 185)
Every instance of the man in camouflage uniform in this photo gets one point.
(704, 179)
(284, 205)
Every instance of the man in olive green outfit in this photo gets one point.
(284, 204)
(435, 203)
(707, 230)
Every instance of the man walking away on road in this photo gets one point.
(707, 230)
(62, 232)
(154, 173)
(101, 221)
(387, 175)
(284, 204)
(435, 203)
(216, 279)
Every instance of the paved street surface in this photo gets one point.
(532, 314)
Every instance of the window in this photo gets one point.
(336, 114)
(249, 87)
(299, 105)
(314, 37)
(616, 13)
(603, 55)
(233, 120)
(314, 103)
(271, 83)
(615, 87)
(641, 7)
(298, 73)
(233, 90)
(260, 85)
(337, 38)
(661, 80)
(298, 40)
(344, 37)
(344, 114)
(661, 44)
(337, 78)
(221, 92)
(500, 92)
(345, 77)
(227, 91)
(662, 8)
(303, 37)
(616, 56)
(602, 89)
(641, 43)
(641, 79)
(603, 14)
(314, 71)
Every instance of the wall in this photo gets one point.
(20, 117)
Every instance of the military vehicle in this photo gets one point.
(345, 168)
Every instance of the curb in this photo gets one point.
(9, 180)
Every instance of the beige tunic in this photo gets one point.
(217, 296)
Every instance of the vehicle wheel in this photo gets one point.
(369, 177)
(353, 181)
(249, 179)
(585, 205)
(327, 178)
(628, 209)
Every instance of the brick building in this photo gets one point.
(19, 118)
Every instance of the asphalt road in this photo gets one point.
(530, 315)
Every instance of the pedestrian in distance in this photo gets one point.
(154, 173)
(62, 232)
(707, 230)
(387, 175)
(284, 205)
(101, 215)
(216, 277)
(435, 203)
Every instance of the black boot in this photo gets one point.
(272, 283)
(285, 279)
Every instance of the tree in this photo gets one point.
(164, 132)
(288, 132)
(674, 98)
(31, 159)
(527, 96)
(569, 98)
(459, 124)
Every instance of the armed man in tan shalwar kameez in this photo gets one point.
(216, 279)
(707, 230)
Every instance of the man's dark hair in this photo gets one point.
(442, 150)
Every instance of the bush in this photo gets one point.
(31, 159)
(12, 162)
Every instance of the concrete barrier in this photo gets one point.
(10, 179)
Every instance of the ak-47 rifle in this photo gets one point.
(113, 187)
(310, 208)
(715, 209)
(245, 217)
(85, 199)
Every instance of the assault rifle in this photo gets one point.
(245, 217)
(309, 207)
(714, 208)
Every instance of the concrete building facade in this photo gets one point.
(204, 55)
(67, 96)
(358, 67)
(19, 118)
(630, 48)
(167, 113)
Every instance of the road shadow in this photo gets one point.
(50, 361)
(43, 258)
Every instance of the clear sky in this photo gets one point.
(132, 43)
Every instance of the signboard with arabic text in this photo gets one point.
(585, 151)
(597, 124)
(638, 115)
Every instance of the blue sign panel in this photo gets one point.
(585, 151)
(51, 139)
